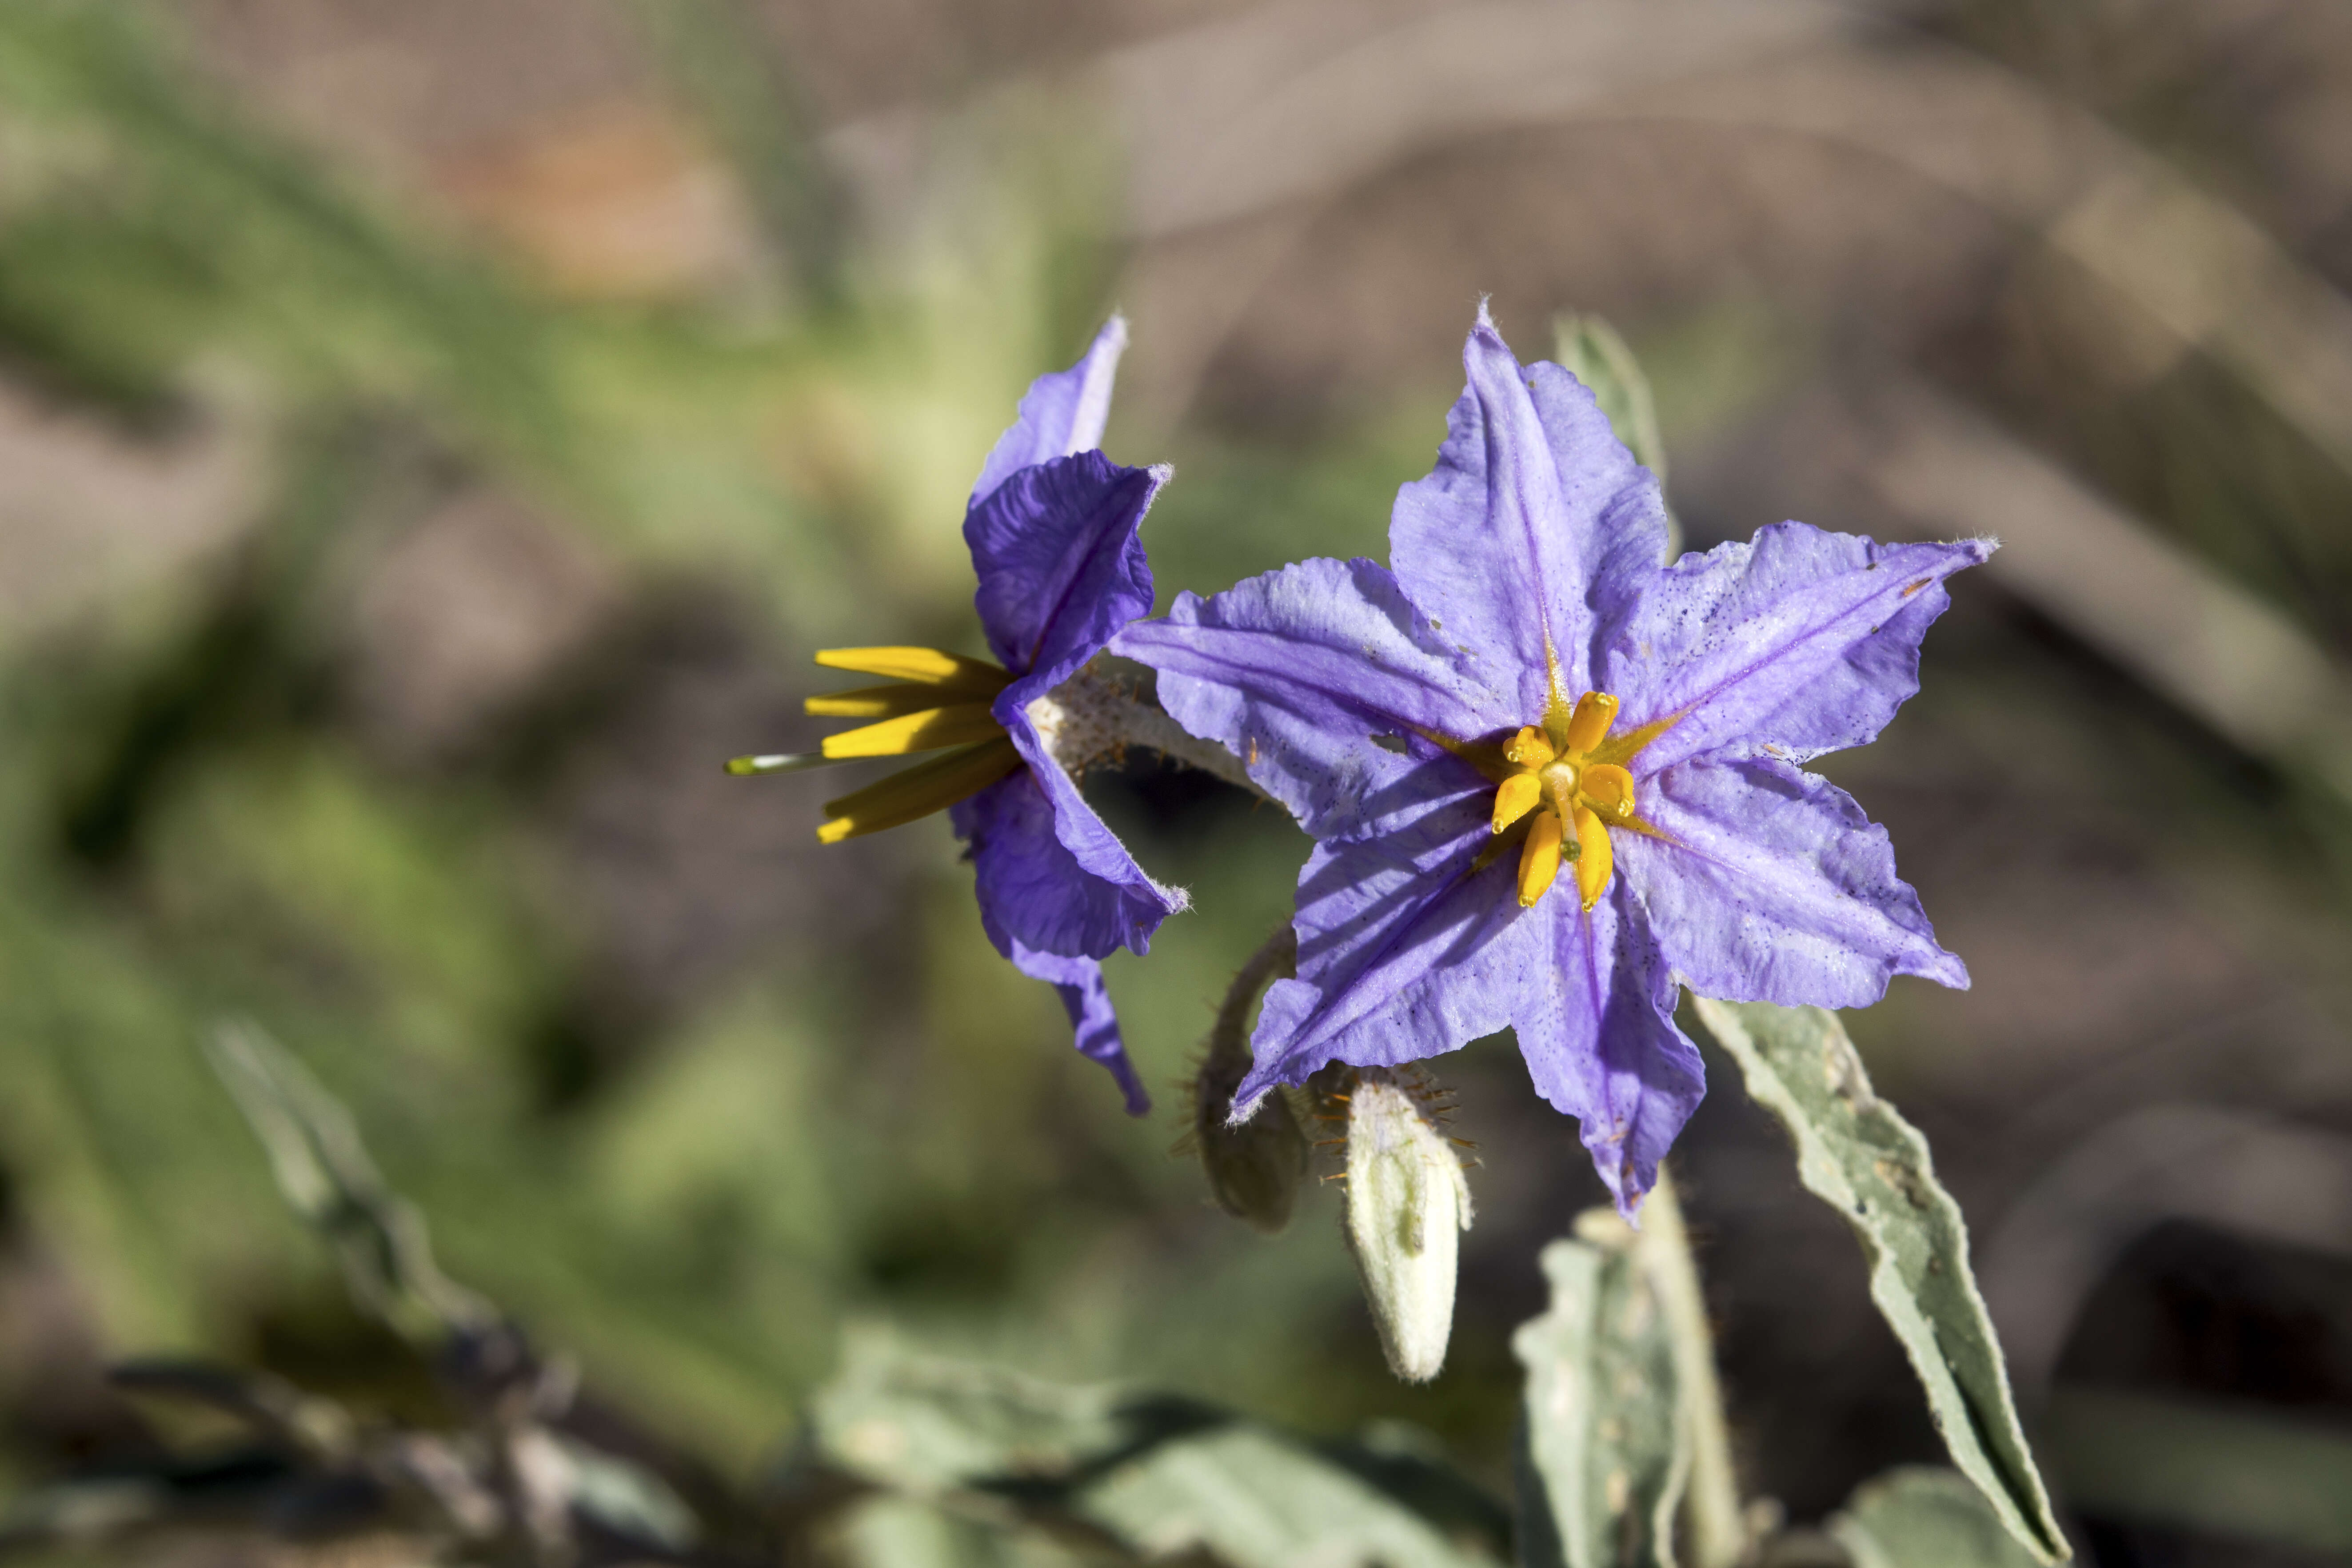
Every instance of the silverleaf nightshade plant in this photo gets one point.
(1053, 526)
(1551, 779)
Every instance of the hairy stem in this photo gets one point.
(1718, 1532)
(1141, 724)
(1276, 959)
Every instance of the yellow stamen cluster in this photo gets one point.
(941, 705)
(1576, 796)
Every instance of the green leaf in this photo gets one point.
(1257, 1499)
(1162, 1477)
(1921, 1515)
(887, 1532)
(1605, 1454)
(623, 1496)
(325, 1174)
(926, 1425)
(1591, 350)
(1856, 1153)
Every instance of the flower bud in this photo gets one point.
(1255, 1168)
(1408, 1203)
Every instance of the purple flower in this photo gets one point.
(1052, 529)
(1530, 692)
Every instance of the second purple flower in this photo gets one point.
(1052, 528)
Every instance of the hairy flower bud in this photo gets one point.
(1254, 1168)
(1408, 1203)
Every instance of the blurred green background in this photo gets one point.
(433, 439)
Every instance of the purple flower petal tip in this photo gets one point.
(1058, 550)
(1054, 526)
(1063, 412)
(1079, 984)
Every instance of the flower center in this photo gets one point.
(1574, 797)
(941, 705)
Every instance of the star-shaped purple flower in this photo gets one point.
(1528, 692)
(1053, 525)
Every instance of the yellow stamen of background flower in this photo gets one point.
(942, 706)
(926, 666)
(872, 702)
(916, 792)
(930, 729)
(1539, 860)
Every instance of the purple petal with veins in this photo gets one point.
(1347, 690)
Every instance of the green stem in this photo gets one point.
(1711, 1510)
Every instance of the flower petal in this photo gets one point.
(1062, 413)
(1596, 1026)
(1079, 984)
(1296, 672)
(1800, 641)
(1048, 873)
(1776, 888)
(1535, 523)
(1405, 949)
(1060, 564)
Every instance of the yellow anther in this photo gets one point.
(1607, 789)
(916, 792)
(872, 702)
(1529, 748)
(931, 730)
(928, 666)
(1592, 866)
(1595, 711)
(1520, 794)
(1539, 860)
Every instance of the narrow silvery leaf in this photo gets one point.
(1855, 1153)
(926, 1425)
(1408, 1204)
(1590, 350)
(1606, 1453)
(1165, 1478)
(325, 1174)
(1241, 1495)
(626, 1497)
(1924, 1514)
(887, 1531)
